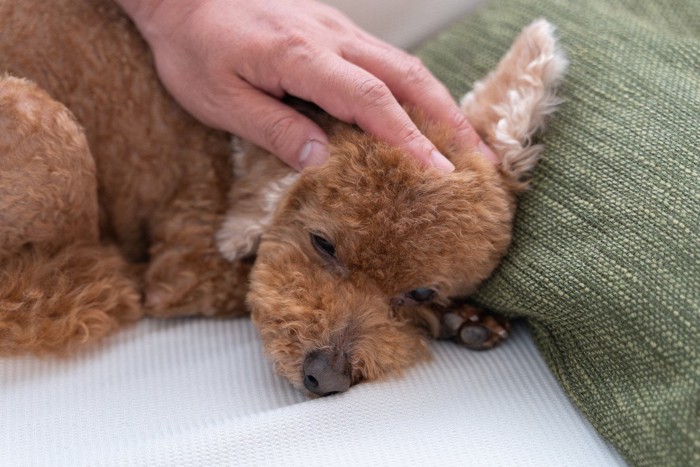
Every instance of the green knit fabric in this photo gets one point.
(605, 263)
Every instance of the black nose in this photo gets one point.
(326, 372)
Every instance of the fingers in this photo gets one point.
(269, 123)
(412, 83)
(354, 95)
(319, 56)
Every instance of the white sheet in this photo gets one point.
(199, 393)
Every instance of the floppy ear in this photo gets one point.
(260, 182)
(510, 105)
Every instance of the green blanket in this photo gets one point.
(605, 264)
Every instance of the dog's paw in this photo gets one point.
(179, 283)
(474, 328)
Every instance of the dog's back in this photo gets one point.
(143, 177)
(88, 55)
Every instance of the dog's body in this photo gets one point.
(149, 180)
(143, 213)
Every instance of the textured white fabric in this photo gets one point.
(199, 393)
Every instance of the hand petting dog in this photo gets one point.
(228, 63)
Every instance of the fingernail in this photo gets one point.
(440, 162)
(313, 153)
(488, 153)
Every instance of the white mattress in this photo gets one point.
(199, 392)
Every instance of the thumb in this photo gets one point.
(289, 135)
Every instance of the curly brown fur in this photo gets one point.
(395, 227)
(156, 217)
(44, 200)
(58, 303)
(154, 182)
(58, 287)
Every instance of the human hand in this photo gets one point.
(228, 63)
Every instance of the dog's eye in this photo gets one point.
(322, 245)
(421, 294)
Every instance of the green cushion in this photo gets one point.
(605, 263)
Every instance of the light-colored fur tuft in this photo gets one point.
(510, 105)
(240, 233)
(260, 183)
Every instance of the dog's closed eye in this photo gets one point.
(323, 246)
(328, 255)
(421, 295)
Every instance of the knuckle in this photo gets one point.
(459, 120)
(278, 130)
(416, 72)
(295, 49)
(294, 41)
(465, 129)
(373, 91)
(333, 23)
(410, 133)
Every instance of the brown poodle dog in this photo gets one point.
(115, 203)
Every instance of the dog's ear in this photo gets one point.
(260, 183)
(510, 105)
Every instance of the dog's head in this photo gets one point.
(357, 245)
(352, 255)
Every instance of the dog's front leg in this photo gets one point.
(473, 327)
(186, 274)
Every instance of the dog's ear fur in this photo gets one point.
(260, 182)
(510, 105)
